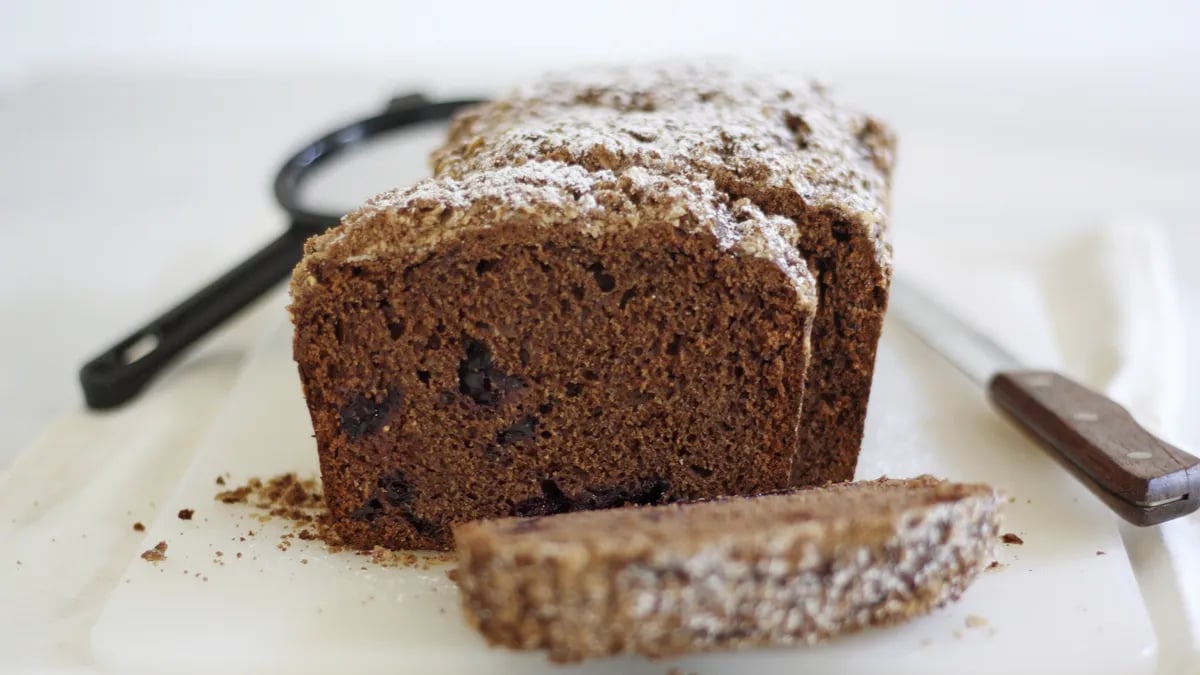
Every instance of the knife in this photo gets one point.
(1144, 479)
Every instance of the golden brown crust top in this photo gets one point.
(773, 138)
(410, 223)
(737, 154)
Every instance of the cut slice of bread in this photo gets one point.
(787, 568)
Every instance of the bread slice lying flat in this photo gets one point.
(781, 569)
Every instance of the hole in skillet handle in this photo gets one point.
(144, 345)
(122, 371)
(113, 377)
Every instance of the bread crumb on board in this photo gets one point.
(1010, 538)
(156, 554)
(975, 621)
(299, 502)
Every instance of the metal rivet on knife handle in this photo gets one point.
(1144, 479)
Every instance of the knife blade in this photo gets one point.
(1144, 479)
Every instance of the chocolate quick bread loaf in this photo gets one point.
(606, 295)
(783, 569)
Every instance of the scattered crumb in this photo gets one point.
(18, 562)
(186, 514)
(994, 565)
(424, 560)
(239, 495)
(300, 502)
(975, 621)
(1100, 553)
(304, 561)
(139, 527)
(156, 554)
(1010, 538)
(239, 554)
(220, 553)
(220, 480)
(285, 496)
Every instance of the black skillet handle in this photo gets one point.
(120, 372)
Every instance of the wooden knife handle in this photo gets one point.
(1144, 479)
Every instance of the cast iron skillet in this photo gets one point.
(120, 372)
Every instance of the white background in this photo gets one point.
(137, 138)
(237, 35)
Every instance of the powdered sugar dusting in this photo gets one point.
(740, 155)
(756, 134)
(520, 187)
(414, 221)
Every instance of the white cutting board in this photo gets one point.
(1056, 606)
